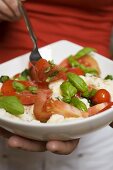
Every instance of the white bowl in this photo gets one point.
(61, 131)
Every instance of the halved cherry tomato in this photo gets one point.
(76, 70)
(101, 96)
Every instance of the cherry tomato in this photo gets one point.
(101, 96)
(76, 70)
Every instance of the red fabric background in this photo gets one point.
(88, 23)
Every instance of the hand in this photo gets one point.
(9, 10)
(111, 124)
(58, 147)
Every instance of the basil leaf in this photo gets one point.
(88, 69)
(77, 82)
(78, 104)
(18, 86)
(33, 89)
(89, 94)
(73, 62)
(84, 51)
(25, 73)
(109, 77)
(68, 91)
(12, 105)
(4, 78)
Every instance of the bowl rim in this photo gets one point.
(60, 124)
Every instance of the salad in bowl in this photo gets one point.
(46, 94)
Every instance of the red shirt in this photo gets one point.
(85, 22)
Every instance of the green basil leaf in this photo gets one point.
(78, 104)
(77, 82)
(84, 51)
(4, 78)
(12, 105)
(19, 87)
(109, 77)
(68, 90)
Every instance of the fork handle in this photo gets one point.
(28, 23)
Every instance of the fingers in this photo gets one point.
(58, 147)
(26, 144)
(23, 143)
(9, 10)
(62, 148)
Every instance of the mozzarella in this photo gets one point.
(55, 87)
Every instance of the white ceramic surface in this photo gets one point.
(62, 131)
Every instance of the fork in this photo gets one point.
(35, 55)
